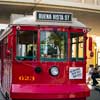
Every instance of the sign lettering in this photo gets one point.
(46, 16)
(75, 73)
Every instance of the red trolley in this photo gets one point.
(43, 56)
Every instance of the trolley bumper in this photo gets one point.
(49, 91)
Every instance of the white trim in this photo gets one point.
(30, 20)
(5, 32)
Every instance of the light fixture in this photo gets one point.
(54, 71)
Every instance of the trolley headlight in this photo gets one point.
(54, 71)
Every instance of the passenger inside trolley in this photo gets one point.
(26, 45)
(52, 50)
(53, 45)
(30, 52)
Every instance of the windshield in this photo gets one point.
(26, 45)
(53, 45)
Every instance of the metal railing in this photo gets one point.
(93, 2)
(89, 2)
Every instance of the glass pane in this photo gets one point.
(77, 46)
(74, 40)
(80, 38)
(74, 53)
(80, 47)
(80, 53)
(26, 45)
(53, 44)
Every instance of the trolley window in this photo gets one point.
(77, 46)
(26, 45)
(53, 45)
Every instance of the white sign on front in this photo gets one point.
(75, 73)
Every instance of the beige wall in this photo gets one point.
(78, 1)
(89, 1)
(85, 1)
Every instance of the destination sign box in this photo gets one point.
(50, 16)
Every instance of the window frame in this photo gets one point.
(27, 28)
(66, 49)
(77, 35)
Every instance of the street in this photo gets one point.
(95, 95)
(1, 96)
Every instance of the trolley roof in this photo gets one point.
(52, 19)
(30, 20)
(49, 19)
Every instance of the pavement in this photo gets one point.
(95, 91)
(95, 95)
(1, 96)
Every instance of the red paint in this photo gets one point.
(47, 91)
(17, 75)
(90, 43)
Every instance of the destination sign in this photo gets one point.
(50, 16)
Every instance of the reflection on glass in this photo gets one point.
(26, 45)
(53, 44)
(74, 50)
(77, 46)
